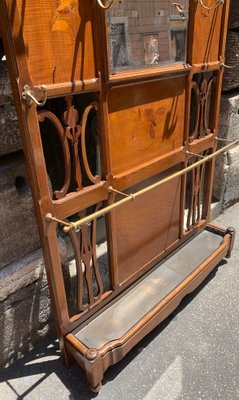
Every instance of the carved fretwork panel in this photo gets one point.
(78, 169)
(196, 196)
(201, 105)
(86, 271)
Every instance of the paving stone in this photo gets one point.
(25, 322)
(10, 137)
(234, 14)
(226, 179)
(19, 233)
(229, 116)
(231, 75)
(20, 274)
(227, 165)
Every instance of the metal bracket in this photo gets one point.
(49, 217)
(29, 98)
(111, 189)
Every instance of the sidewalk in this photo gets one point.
(193, 355)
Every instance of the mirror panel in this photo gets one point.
(146, 33)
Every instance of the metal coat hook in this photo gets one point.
(105, 7)
(179, 7)
(217, 4)
(29, 97)
(222, 64)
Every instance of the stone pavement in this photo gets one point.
(193, 355)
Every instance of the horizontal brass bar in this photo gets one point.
(105, 210)
(49, 217)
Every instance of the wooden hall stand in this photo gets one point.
(118, 107)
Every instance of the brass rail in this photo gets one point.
(75, 225)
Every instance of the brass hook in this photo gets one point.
(218, 3)
(179, 7)
(29, 97)
(105, 7)
(222, 64)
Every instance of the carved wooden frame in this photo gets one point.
(66, 204)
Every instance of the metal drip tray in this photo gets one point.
(119, 318)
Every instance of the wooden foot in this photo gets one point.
(67, 357)
(97, 388)
(231, 231)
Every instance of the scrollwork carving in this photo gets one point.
(196, 192)
(42, 115)
(202, 91)
(87, 266)
(73, 133)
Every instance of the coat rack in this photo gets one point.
(128, 133)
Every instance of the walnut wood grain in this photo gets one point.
(205, 30)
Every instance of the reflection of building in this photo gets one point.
(119, 45)
(147, 32)
(151, 49)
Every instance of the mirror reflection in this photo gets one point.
(146, 33)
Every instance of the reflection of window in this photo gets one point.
(146, 34)
(118, 45)
(151, 49)
(178, 41)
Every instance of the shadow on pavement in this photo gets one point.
(31, 373)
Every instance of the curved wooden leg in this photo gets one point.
(96, 389)
(94, 370)
(231, 231)
(67, 358)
